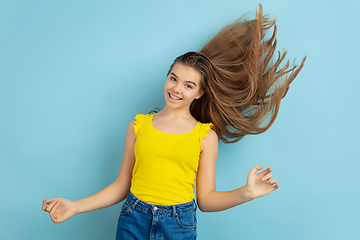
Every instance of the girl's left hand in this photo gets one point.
(260, 184)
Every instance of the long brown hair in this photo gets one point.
(243, 83)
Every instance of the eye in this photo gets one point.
(173, 79)
(188, 86)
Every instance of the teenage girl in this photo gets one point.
(227, 90)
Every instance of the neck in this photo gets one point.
(176, 113)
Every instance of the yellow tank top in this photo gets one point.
(165, 163)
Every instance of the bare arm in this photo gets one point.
(61, 209)
(210, 200)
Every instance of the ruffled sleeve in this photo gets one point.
(139, 120)
(205, 128)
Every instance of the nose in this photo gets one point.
(177, 88)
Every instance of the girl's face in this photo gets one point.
(182, 86)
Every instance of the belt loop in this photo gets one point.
(173, 211)
(135, 203)
(195, 204)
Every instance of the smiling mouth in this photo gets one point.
(173, 97)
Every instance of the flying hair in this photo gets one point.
(243, 82)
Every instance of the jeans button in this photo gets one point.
(155, 208)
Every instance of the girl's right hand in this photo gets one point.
(60, 209)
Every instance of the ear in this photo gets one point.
(200, 94)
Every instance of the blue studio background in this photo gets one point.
(74, 73)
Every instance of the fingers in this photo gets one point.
(255, 169)
(275, 187)
(52, 212)
(267, 177)
(272, 181)
(45, 203)
(265, 172)
(51, 205)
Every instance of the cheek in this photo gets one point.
(166, 85)
(189, 95)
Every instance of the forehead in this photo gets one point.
(186, 73)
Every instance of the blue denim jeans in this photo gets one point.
(139, 220)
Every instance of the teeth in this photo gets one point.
(173, 97)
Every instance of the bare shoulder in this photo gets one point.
(131, 124)
(210, 141)
(212, 136)
(131, 128)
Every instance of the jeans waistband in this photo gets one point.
(173, 209)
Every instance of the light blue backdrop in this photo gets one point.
(74, 73)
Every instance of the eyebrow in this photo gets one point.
(185, 81)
